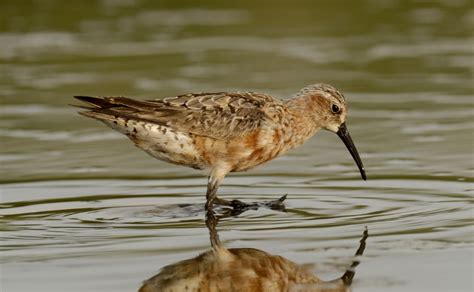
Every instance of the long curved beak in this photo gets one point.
(343, 133)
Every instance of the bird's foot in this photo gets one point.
(275, 204)
(239, 205)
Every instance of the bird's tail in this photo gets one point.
(111, 108)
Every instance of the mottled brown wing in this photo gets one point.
(219, 115)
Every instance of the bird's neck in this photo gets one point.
(301, 120)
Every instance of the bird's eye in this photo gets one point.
(335, 108)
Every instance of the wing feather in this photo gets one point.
(220, 115)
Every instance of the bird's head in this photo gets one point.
(329, 110)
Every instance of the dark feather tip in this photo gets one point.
(96, 101)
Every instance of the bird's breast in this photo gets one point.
(256, 148)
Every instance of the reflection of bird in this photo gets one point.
(224, 132)
(243, 269)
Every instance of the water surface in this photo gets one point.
(83, 210)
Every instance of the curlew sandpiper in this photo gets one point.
(224, 131)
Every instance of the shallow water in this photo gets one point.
(83, 210)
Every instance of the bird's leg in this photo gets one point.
(215, 178)
(211, 194)
(213, 183)
(213, 199)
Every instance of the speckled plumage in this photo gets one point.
(222, 131)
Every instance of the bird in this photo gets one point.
(224, 132)
(244, 269)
